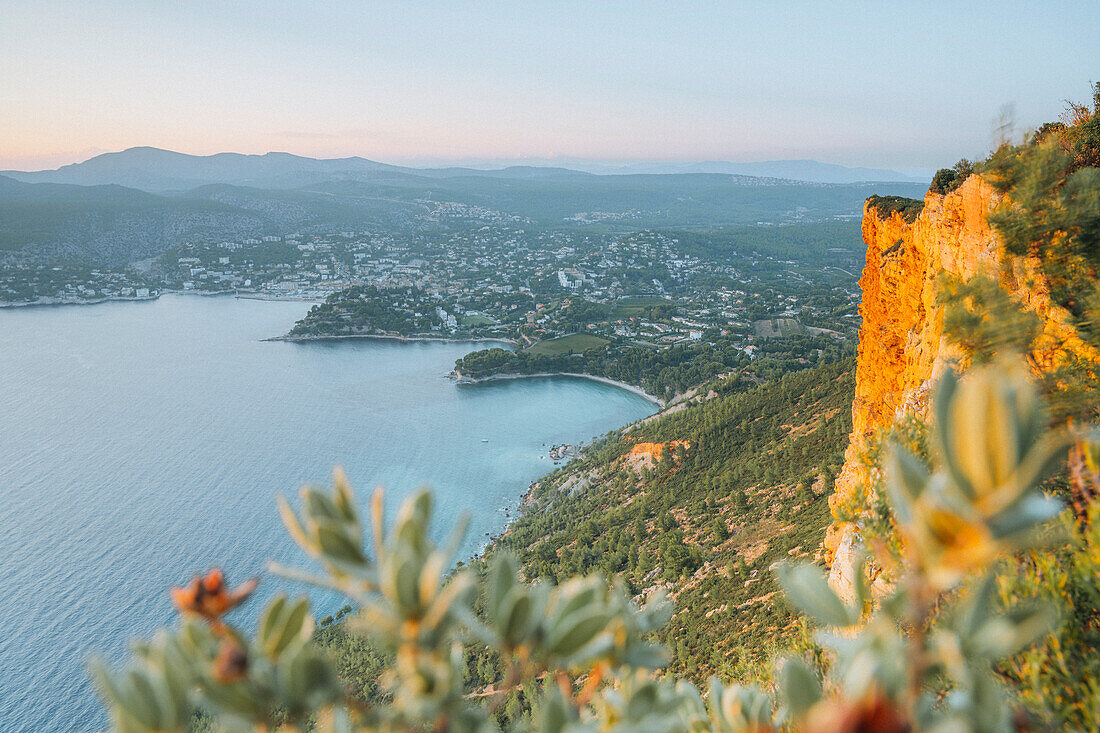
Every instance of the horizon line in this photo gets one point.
(429, 162)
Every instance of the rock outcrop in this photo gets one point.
(902, 347)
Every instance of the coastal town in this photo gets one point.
(505, 282)
(487, 278)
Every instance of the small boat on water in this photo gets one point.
(484, 440)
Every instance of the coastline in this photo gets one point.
(460, 379)
(278, 298)
(384, 337)
(51, 301)
(528, 493)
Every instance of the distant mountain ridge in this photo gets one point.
(797, 170)
(156, 170)
(159, 171)
(120, 207)
(808, 171)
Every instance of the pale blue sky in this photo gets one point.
(885, 84)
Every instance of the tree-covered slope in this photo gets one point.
(740, 483)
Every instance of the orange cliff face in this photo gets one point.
(646, 455)
(656, 449)
(901, 344)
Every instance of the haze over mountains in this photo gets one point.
(156, 170)
(810, 171)
(120, 207)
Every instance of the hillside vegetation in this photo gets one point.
(701, 502)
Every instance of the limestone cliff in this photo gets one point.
(901, 347)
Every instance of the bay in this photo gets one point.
(142, 443)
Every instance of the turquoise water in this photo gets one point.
(141, 443)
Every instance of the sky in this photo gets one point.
(888, 84)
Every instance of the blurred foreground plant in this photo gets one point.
(923, 657)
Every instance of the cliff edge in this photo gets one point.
(902, 348)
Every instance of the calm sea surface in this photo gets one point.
(141, 443)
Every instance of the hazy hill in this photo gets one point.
(114, 224)
(159, 171)
(636, 201)
(810, 171)
(798, 170)
(153, 169)
(106, 223)
(136, 203)
(156, 170)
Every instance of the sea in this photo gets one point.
(142, 443)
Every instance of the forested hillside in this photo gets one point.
(702, 502)
(662, 373)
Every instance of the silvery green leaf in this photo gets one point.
(1045, 457)
(454, 539)
(800, 686)
(405, 585)
(896, 604)
(976, 607)
(942, 400)
(1004, 636)
(319, 506)
(656, 613)
(345, 500)
(333, 541)
(284, 624)
(575, 594)
(473, 626)
(646, 655)
(970, 423)
(1031, 510)
(500, 579)
(107, 684)
(431, 577)
(141, 699)
(690, 697)
(304, 576)
(806, 588)
(600, 646)
(907, 470)
(572, 632)
(415, 511)
(553, 714)
(517, 612)
(178, 677)
(269, 621)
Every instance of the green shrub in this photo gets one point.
(909, 209)
(947, 180)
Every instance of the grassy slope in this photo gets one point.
(574, 343)
(637, 307)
